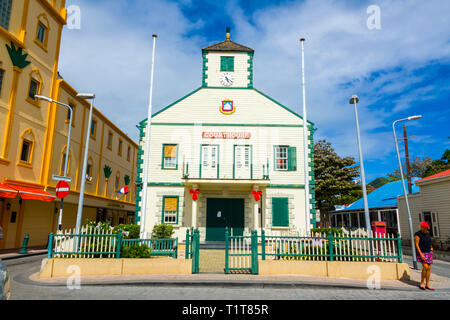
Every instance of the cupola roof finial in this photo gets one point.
(228, 33)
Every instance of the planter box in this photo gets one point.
(52, 268)
(336, 269)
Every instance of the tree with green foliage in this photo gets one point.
(335, 179)
(425, 167)
(438, 165)
(418, 169)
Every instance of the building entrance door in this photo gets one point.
(223, 213)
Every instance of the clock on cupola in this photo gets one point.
(228, 64)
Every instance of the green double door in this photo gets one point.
(222, 213)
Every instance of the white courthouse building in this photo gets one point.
(221, 143)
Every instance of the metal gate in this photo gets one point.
(241, 253)
(192, 250)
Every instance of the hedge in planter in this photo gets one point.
(136, 252)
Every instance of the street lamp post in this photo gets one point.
(354, 100)
(404, 188)
(66, 158)
(86, 96)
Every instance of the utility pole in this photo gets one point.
(408, 165)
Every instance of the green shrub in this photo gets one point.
(129, 231)
(163, 231)
(101, 225)
(325, 231)
(136, 252)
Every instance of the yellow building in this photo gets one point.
(33, 133)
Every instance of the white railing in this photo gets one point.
(89, 243)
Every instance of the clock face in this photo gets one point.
(227, 79)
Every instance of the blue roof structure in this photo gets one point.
(384, 197)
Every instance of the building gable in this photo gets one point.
(251, 107)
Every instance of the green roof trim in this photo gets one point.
(281, 105)
(144, 122)
(179, 100)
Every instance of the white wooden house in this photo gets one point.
(222, 142)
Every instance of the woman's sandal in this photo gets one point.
(422, 287)
(429, 288)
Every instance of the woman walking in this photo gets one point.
(424, 253)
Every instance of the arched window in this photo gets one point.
(26, 148)
(42, 31)
(69, 114)
(63, 162)
(117, 182)
(35, 87)
(90, 171)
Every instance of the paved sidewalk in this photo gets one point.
(14, 254)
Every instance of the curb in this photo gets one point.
(24, 278)
(23, 256)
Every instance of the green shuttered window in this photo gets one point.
(280, 212)
(285, 158)
(227, 64)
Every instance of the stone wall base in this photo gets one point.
(336, 269)
(53, 268)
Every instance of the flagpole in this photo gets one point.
(147, 147)
(305, 143)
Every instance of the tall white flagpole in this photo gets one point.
(305, 144)
(147, 148)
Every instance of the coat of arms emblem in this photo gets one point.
(228, 107)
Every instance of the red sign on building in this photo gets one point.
(227, 135)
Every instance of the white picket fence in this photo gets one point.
(357, 247)
(89, 243)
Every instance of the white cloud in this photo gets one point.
(111, 55)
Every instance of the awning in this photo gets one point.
(29, 193)
(7, 192)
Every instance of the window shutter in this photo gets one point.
(230, 64)
(280, 212)
(171, 204)
(223, 64)
(292, 159)
(170, 151)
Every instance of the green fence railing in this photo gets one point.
(159, 247)
(241, 253)
(105, 246)
(331, 248)
(84, 245)
(193, 249)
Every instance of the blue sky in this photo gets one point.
(399, 70)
